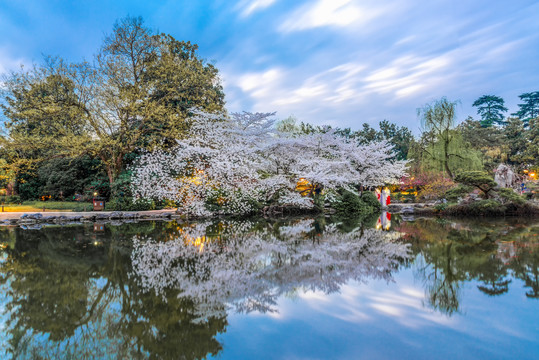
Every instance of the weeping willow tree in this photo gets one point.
(430, 155)
(441, 147)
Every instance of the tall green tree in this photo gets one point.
(137, 93)
(532, 145)
(367, 134)
(41, 114)
(399, 136)
(530, 108)
(515, 140)
(491, 109)
(428, 155)
(438, 121)
(490, 141)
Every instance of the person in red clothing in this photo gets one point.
(387, 196)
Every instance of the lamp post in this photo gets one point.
(3, 198)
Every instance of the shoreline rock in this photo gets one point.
(59, 217)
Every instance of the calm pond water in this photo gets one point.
(298, 288)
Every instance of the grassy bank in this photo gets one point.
(32, 206)
(492, 207)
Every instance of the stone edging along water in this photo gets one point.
(53, 217)
(34, 219)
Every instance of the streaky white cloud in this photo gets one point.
(261, 85)
(407, 75)
(329, 89)
(249, 7)
(381, 60)
(339, 13)
(9, 63)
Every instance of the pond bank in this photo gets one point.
(22, 218)
(62, 217)
(479, 208)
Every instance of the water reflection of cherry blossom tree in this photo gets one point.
(248, 272)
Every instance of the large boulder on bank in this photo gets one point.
(505, 177)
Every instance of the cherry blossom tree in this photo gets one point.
(234, 162)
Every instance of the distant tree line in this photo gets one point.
(447, 147)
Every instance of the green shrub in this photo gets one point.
(29, 190)
(487, 207)
(508, 196)
(459, 191)
(99, 186)
(162, 204)
(371, 200)
(126, 204)
(533, 187)
(142, 205)
(61, 178)
(440, 207)
(349, 203)
(492, 207)
(399, 197)
(13, 199)
(121, 187)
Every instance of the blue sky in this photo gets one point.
(337, 62)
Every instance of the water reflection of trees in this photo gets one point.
(75, 293)
(249, 271)
(454, 252)
(69, 295)
(162, 290)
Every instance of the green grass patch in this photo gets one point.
(33, 206)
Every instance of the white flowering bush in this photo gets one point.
(232, 164)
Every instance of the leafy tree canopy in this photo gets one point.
(515, 141)
(438, 120)
(489, 141)
(530, 108)
(478, 179)
(491, 109)
(136, 93)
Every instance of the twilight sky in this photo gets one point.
(337, 62)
